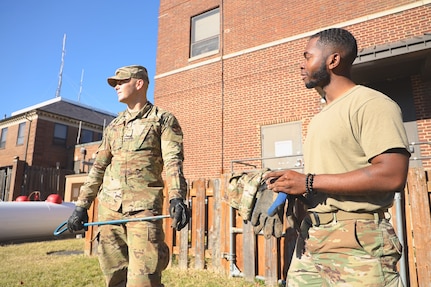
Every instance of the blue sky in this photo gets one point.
(101, 35)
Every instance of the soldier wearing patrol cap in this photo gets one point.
(127, 179)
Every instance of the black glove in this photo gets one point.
(179, 213)
(278, 202)
(77, 219)
(260, 219)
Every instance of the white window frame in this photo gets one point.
(3, 138)
(21, 134)
(60, 134)
(205, 33)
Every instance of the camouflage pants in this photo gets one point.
(132, 254)
(347, 253)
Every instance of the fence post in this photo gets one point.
(272, 255)
(249, 251)
(214, 232)
(183, 247)
(200, 219)
(16, 178)
(90, 245)
(169, 236)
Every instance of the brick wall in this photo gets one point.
(222, 105)
(6, 158)
(202, 124)
(41, 152)
(46, 153)
(175, 16)
(422, 92)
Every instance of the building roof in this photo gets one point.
(394, 60)
(71, 109)
(415, 44)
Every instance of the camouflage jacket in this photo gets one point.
(127, 171)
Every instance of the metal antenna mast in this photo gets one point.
(80, 85)
(60, 75)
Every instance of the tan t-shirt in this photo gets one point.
(344, 136)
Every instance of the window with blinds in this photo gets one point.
(205, 33)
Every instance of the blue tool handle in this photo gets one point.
(63, 227)
(281, 199)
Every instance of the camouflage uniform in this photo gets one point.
(127, 179)
(347, 253)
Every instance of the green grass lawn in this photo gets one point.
(62, 263)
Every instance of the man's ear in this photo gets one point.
(333, 61)
(140, 84)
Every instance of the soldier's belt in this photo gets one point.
(340, 215)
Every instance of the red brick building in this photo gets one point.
(46, 134)
(44, 137)
(229, 70)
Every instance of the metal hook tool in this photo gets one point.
(62, 227)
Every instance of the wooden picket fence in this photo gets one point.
(417, 210)
(218, 239)
(24, 179)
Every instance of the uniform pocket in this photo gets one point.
(117, 144)
(148, 138)
(336, 237)
(370, 237)
(378, 239)
(157, 251)
(392, 245)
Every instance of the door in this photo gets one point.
(282, 146)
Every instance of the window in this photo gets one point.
(86, 136)
(3, 137)
(98, 137)
(60, 134)
(21, 132)
(205, 33)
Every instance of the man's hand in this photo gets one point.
(288, 181)
(77, 219)
(179, 213)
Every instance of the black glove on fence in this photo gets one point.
(179, 213)
(261, 220)
(77, 219)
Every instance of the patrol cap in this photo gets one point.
(127, 72)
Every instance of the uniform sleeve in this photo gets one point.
(173, 156)
(89, 190)
(382, 127)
